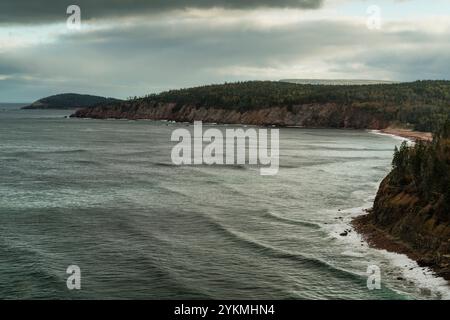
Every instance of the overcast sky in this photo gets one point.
(135, 47)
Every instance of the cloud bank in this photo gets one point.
(25, 11)
(137, 54)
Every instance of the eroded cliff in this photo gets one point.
(411, 213)
(310, 115)
(417, 105)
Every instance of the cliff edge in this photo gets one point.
(411, 213)
(415, 105)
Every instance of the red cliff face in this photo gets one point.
(323, 115)
(424, 227)
(412, 206)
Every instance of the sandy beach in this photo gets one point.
(409, 134)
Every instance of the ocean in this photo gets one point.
(105, 196)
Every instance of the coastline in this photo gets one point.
(379, 239)
(403, 268)
(382, 240)
(408, 134)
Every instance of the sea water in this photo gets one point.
(104, 195)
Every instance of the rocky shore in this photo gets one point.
(415, 105)
(380, 239)
(400, 223)
(311, 115)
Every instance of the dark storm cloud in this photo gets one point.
(25, 11)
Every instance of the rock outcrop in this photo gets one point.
(399, 222)
(311, 115)
(411, 213)
(418, 105)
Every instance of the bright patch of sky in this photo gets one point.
(395, 9)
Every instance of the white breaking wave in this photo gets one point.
(426, 281)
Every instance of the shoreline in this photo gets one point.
(401, 270)
(379, 239)
(408, 134)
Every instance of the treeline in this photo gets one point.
(75, 100)
(424, 169)
(70, 100)
(422, 104)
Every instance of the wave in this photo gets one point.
(87, 162)
(32, 154)
(293, 221)
(222, 166)
(423, 278)
(277, 253)
(36, 265)
(400, 138)
(65, 151)
(312, 147)
(164, 164)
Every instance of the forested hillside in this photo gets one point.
(69, 101)
(421, 105)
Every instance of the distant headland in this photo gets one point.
(70, 101)
(419, 105)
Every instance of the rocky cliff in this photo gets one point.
(309, 115)
(399, 222)
(411, 213)
(417, 105)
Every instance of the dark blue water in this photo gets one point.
(104, 195)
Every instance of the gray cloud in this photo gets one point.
(409, 64)
(25, 11)
(142, 58)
